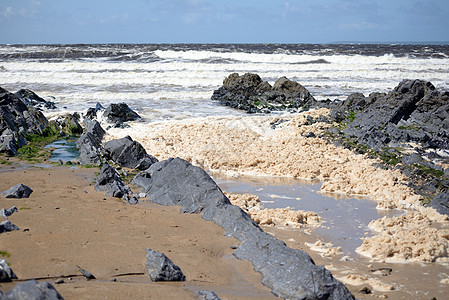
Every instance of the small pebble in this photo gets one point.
(59, 281)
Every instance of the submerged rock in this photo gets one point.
(161, 268)
(32, 289)
(248, 92)
(289, 273)
(18, 191)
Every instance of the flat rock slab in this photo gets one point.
(161, 268)
(33, 290)
(18, 191)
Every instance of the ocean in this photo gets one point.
(169, 84)
(176, 81)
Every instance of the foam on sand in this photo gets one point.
(283, 145)
(273, 217)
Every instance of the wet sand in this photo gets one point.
(66, 223)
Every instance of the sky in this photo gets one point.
(222, 21)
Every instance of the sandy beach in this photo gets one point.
(66, 223)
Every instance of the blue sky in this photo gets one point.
(222, 21)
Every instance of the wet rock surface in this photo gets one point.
(32, 289)
(407, 128)
(289, 273)
(161, 268)
(249, 92)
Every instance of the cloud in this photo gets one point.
(7, 12)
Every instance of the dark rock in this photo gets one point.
(365, 290)
(441, 203)
(18, 191)
(33, 290)
(88, 275)
(91, 113)
(120, 112)
(130, 199)
(89, 143)
(109, 181)
(289, 273)
(6, 273)
(161, 268)
(310, 135)
(248, 92)
(5, 213)
(17, 120)
(32, 99)
(6, 226)
(128, 153)
(69, 124)
(208, 295)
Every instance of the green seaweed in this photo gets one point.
(4, 254)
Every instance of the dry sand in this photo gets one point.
(66, 223)
(278, 146)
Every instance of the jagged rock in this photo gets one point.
(441, 203)
(89, 143)
(118, 113)
(109, 181)
(289, 273)
(161, 268)
(248, 92)
(6, 273)
(69, 124)
(33, 290)
(128, 153)
(18, 191)
(91, 113)
(6, 226)
(32, 99)
(17, 120)
(5, 213)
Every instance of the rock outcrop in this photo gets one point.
(118, 113)
(249, 92)
(17, 121)
(407, 128)
(32, 99)
(289, 273)
(129, 154)
(89, 143)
